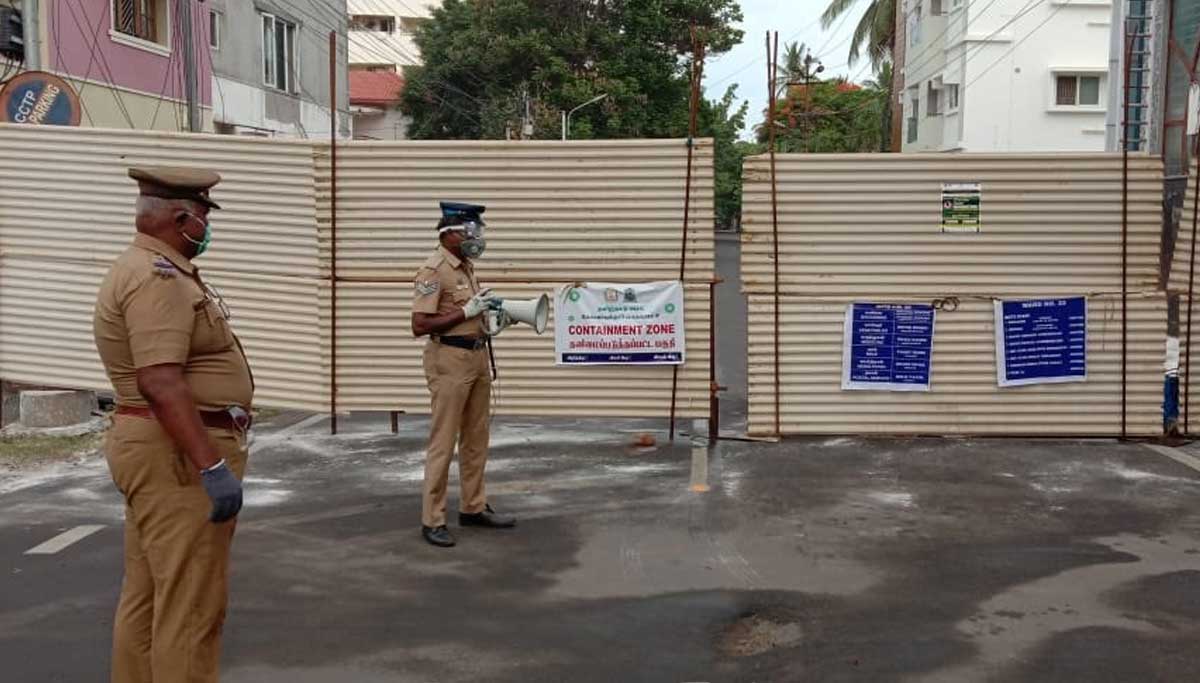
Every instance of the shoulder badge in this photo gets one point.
(164, 268)
(428, 287)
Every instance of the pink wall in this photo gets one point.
(75, 30)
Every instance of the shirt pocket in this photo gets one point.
(211, 332)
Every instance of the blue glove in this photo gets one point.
(224, 490)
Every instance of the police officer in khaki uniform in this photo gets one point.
(177, 447)
(447, 306)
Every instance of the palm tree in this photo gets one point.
(883, 84)
(876, 30)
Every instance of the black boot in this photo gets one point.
(439, 536)
(488, 518)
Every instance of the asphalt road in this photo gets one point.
(823, 560)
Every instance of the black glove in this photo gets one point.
(225, 491)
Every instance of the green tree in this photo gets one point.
(883, 83)
(720, 121)
(875, 32)
(484, 58)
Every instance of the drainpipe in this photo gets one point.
(32, 36)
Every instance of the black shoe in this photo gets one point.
(439, 536)
(488, 518)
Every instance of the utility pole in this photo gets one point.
(184, 9)
(33, 47)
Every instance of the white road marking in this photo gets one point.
(65, 539)
(287, 431)
(699, 470)
(1176, 455)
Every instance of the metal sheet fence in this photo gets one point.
(557, 212)
(868, 228)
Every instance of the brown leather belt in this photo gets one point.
(468, 343)
(214, 419)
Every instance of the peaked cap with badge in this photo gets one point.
(176, 182)
(467, 212)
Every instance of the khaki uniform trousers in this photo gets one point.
(460, 388)
(168, 623)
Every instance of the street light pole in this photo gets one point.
(566, 117)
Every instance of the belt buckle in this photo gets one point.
(241, 418)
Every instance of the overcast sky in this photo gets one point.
(796, 20)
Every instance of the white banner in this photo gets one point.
(613, 324)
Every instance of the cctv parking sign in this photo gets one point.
(40, 99)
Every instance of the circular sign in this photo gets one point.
(39, 98)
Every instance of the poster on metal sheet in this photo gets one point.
(1041, 341)
(887, 347)
(619, 324)
(960, 207)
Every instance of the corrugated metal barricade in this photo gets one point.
(867, 228)
(67, 210)
(557, 213)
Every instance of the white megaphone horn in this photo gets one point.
(533, 312)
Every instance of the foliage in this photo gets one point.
(723, 124)
(484, 59)
(830, 116)
(876, 30)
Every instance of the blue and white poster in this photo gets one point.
(887, 347)
(1041, 341)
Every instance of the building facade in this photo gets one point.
(381, 42)
(125, 59)
(1005, 76)
(270, 67)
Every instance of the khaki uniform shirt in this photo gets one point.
(443, 285)
(153, 309)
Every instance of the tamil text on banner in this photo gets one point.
(887, 347)
(618, 324)
(1041, 341)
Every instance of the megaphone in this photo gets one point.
(534, 312)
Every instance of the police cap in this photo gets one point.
(173, 182)
(465, 212)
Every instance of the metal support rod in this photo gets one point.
(697, 74)
(333, 280)
(1187, 352)
(395, 415)
(714, 400)
(1125, 243)
(772, 59)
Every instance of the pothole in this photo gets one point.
(756, 634)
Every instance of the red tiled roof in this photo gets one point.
(375, 88)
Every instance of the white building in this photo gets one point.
(1006, 75)
(381, 40)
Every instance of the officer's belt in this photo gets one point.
(468, 343)
(214, 419)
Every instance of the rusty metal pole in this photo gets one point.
(1125, 239)
(1187, 356)
(714, 401)
(333, 279)
(693, 106)
(772, 58)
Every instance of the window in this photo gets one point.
(934, 107)
(935, 8)
(951, 90)
(914, 98)
(279, 53)
(214, 29)
(410, 24)
(1077, 91)
(914, 29)
(373, 22)
(141, 19)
